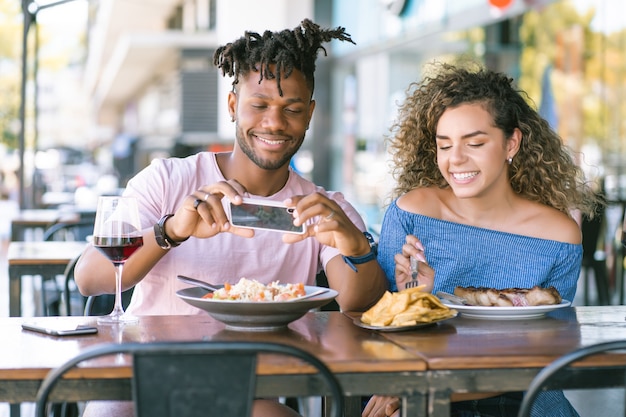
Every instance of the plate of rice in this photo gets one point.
(252, 306)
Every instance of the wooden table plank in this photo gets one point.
(462, 343)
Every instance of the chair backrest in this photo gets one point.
(551, 371)
(76, 231)
(100, 305)
(68, 231)
(68, 275)
(193, 379)
(93, 305)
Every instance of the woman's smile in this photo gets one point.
(463, 176)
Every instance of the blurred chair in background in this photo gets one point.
(594, 259)
(55, 294)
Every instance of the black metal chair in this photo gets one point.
(76, 231)
(69, 291)
(94, 305)
(592, 233)
(552, 372)
(100, 305)
(193, 379)
(51, 294)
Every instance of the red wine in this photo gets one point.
(118, 249)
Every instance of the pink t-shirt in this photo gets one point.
(161, 187)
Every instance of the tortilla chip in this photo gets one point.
(406, 308)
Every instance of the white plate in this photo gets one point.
(255, 315)
(505, 313)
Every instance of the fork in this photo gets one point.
(414, 273)
(454, 298)
(202, 284)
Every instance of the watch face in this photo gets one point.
(372, 242)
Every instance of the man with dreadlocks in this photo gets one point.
(186, 230)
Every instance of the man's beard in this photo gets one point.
(264, 163)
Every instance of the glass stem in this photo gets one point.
(118, 309)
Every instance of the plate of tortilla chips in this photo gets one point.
(405, 310)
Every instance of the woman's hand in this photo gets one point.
(426, 275)
(380, 406)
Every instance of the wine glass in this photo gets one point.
(117, 234)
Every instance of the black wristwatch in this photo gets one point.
(356, 260)
(162, 239)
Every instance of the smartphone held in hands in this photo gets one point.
(263, 215)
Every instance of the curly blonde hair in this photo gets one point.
(543, 170)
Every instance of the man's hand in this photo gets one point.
(202, 214)
(332, 227)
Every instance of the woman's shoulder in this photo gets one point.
(544, 222)
(426, 201)
(524, 217)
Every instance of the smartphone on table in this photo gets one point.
(263, 215)
(60, 329)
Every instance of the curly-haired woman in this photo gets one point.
(484, 196)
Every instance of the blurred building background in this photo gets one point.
(136, 82)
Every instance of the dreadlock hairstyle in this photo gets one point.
(287, 50)
(543, 170)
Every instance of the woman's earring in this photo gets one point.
(509, 160)
(232, 118)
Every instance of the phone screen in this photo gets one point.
(260, 214)
(60, 329)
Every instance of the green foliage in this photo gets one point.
(9, 106)
(589, 72)
(10, 29)
(10, 54)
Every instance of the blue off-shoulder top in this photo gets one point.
(463, 255)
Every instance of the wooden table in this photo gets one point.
(37, 219)
(45, 259)
(424, 366)
(474, 355)
(364, 361)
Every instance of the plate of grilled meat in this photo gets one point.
(504, 304)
